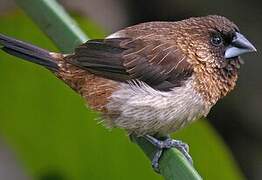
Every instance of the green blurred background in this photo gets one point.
(46, 131)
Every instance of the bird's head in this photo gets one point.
(214, 45)
(213, 40)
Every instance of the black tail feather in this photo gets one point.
(28, 52)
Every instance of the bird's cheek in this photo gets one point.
(202, 54)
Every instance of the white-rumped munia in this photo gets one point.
(153, 78)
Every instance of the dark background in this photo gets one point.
(238, 117)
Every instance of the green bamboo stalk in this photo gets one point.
(53, 20)
(173, 164)
(66, 35)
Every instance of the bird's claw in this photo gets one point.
(167, 144)
(155, 160)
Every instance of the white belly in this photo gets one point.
(142, 110)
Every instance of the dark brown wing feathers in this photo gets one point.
(159, 64)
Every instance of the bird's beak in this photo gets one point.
(238, 46)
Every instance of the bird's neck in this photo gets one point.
(215, 83)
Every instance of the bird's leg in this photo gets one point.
(167, 144)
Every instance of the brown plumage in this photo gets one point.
(152, 78)
(164, 54)
(190, 64)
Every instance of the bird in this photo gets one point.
(153, 78)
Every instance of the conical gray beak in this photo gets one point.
(239, 45)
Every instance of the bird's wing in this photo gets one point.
(156, 63)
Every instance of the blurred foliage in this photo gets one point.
(55, 136)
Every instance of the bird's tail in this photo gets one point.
(28, 52)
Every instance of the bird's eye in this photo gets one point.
(216, 40)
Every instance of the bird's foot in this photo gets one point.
(167, 144)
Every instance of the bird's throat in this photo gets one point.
(215, 83)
